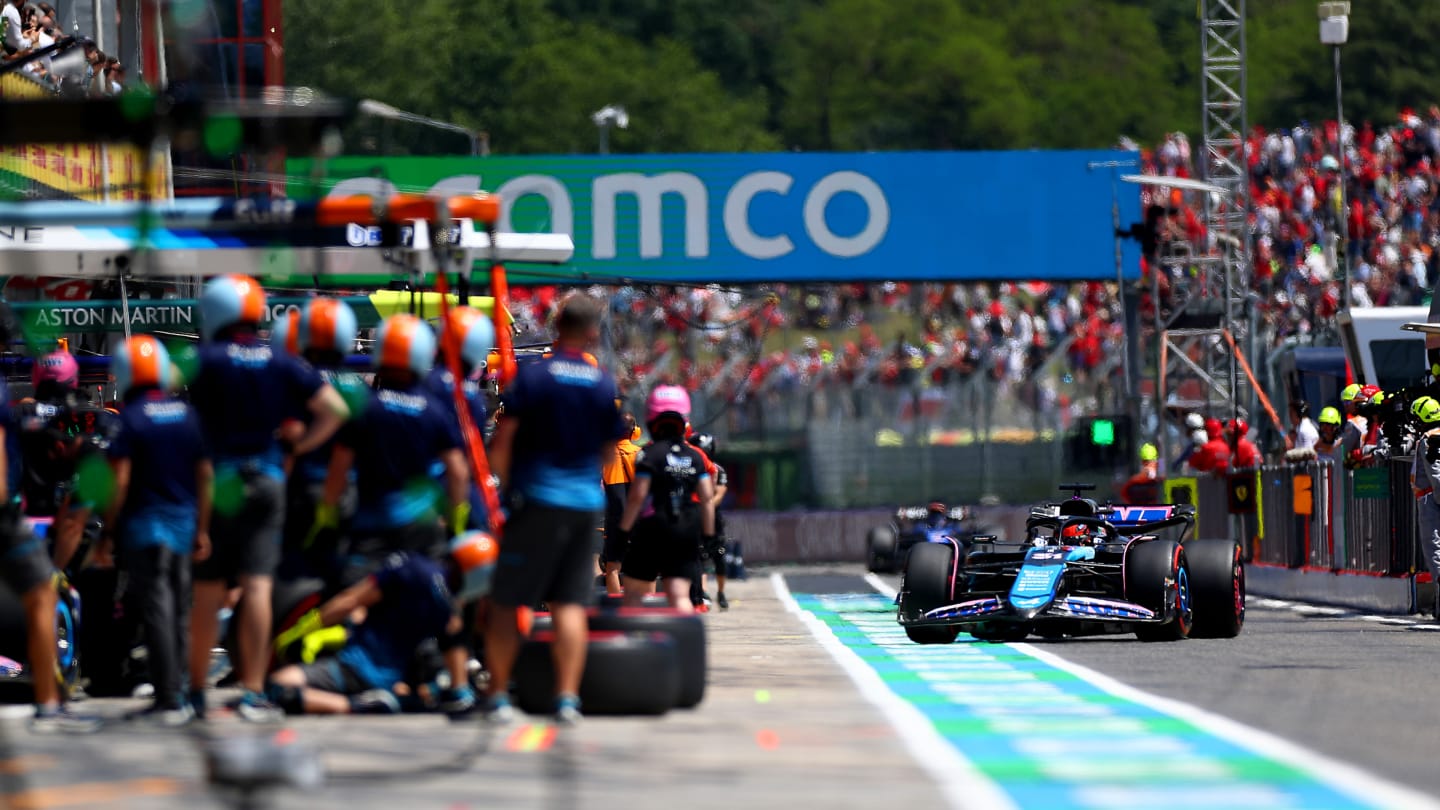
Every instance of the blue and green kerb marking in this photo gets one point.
(1049, 738)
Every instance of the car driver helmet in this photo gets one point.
(935, 514)
(1077, 534)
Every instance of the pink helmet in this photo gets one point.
(667, 399)
(58, 367)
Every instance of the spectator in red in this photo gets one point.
(1214, 455)
(1247, 455)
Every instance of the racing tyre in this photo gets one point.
(687, 629)
(880, 548)
(1217, 587)
(625, 674)
(13, 634)
(1150, 568)
(929, 573)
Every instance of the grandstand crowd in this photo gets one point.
(31, 32)
(735, 344)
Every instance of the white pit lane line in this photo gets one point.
(959, 780)
(1338, 775)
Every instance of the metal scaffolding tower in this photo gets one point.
(1209, 319)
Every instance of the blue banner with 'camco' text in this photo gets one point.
(740, 218)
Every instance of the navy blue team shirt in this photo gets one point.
(161, 437)
(397, 438)
(415, 605)
(568, 417)
(244, 392)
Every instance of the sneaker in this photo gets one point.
(497, 710)
(458, 704)
(567, 710)
(61, 720)
(375, 701)
(722, 601)
(164, 716)
(195, 699)
(256, 708)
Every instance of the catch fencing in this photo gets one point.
(1315, 516)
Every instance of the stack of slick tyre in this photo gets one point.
(625, 674)
(686, 629)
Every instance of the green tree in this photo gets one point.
(674, 104)
(871, 74)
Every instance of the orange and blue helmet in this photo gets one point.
(473, 555)
(228, 301)
(285, 332)
(141, 362)
(327, 325)
(405, 343)
(476, 334)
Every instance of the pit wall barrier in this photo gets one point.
(1316, 532)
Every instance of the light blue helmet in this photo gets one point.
(328, 324)
(405, 343)
(476, 334)
(285, 333)
(230, 300)
(141, 362)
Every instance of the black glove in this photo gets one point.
(707, 543)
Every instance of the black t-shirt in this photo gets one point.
(53, 437)
(675, 470)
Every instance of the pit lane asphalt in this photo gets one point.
(1355, 690)
(781, 726)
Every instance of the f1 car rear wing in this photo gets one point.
(1138, 519)
(1136, 515)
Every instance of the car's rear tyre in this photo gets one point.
(1217, 587)
(625, 674)
(1151, 566)
(880, 548)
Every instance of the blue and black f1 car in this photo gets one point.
(1083, 569)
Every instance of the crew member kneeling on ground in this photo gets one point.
(244, 393)
(679, 524)
(410, 600)
(560, 421)
(399, 434)
(160, 511)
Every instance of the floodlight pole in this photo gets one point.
(1334, 31)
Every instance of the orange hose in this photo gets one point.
(474, 446)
